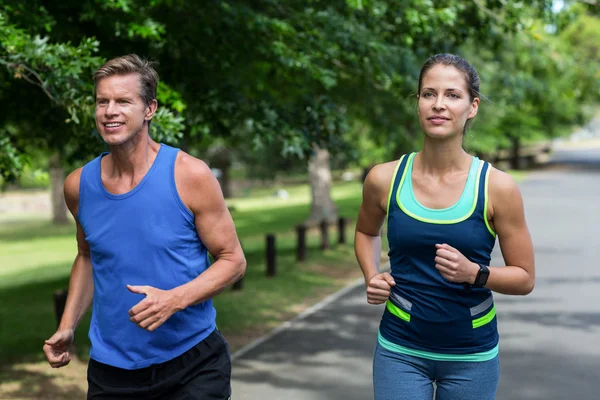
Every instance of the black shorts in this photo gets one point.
(201, 373)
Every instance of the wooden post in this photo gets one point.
(324, 235)
(301, 243)
(238, 285)
(60, 299)
(341, 230)
(271, 265)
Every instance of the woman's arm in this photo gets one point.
(367, 240)
(508, 219)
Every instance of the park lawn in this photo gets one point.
(36, 257)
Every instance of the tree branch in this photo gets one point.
(38, 81)
(486, 11)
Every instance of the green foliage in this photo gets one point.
(34, 179)
(11, 161)
(60, 70)
(280, 76)
(537, 86)
(63, 73)
(28, 278)
(166, 126)
(581, 39)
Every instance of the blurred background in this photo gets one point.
(290, 103)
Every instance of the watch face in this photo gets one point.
(482, 276)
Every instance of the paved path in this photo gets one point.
(550, 340)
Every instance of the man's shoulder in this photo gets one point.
(75, 176)
(90, 164)
(196, 183)
(73, 180)
(190, 169)
(71, 188)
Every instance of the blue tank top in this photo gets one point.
(425, 312)
(144, 237)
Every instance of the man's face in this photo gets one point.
(120, 111)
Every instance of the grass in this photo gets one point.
(36, 257)
(518, 176)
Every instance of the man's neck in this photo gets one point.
(133, 158)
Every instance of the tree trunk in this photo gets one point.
(220, 157)
(515, 160)
(225, 181)
(57, 178)
(319, 177)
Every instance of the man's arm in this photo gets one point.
(81, 285)
(200, 190)
(201, 193)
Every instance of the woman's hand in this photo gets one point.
(378, 288)
(454, 266)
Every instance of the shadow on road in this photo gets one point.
(321, 343)
(23, 383)
(571, 378)
(573, 320)
(576, 159)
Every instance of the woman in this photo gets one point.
(444, 209)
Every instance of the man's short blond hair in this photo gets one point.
(131, 64)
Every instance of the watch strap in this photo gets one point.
(482, 276)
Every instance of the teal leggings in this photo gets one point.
(401, 377)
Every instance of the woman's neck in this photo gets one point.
(441, 156)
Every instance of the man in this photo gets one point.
(147, 216)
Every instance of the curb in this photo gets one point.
(309, 311)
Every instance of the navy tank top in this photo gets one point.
(425, 312)
(144, 237)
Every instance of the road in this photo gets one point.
(548, 347)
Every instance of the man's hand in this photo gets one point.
(155, 309)
(453, 265)
(57, 348)
(378, 288)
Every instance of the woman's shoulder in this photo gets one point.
(382, 173)
(501, 182)
(504, 193)
(380, 177)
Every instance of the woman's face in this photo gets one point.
(444, 102)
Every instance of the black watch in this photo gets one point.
(482, 276)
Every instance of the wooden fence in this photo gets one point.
(60, 296)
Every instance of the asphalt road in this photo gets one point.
(549, 344)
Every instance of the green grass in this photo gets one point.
(518, 176)
(36, 257)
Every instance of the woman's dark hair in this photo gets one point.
(471, 76)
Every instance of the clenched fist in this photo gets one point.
(453, 265)
(378, 288)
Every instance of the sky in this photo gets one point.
(557, 5)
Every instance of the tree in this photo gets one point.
(298, 75)
(294, 73)
(538, 85)
(581, 40)
(59, 112)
